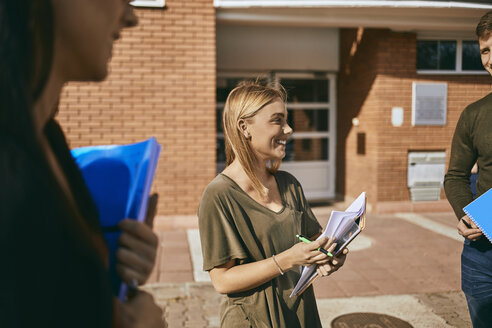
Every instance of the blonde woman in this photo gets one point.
(250, 214)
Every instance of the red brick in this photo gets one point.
(376, 78)
(153, 72)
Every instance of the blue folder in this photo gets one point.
(119, 178)
(480, 211)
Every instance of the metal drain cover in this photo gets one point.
(368, 320)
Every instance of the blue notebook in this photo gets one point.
(119, 178)
(480, 211)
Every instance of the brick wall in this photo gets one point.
(162, 84)
(358, 67)
(377, 77)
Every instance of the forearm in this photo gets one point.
(458, 193)
(457, 179)
(247, 276)
(463, 157)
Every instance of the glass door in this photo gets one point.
(311, 113)
(311, 151)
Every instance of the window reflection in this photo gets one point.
(218, 117)
(224, 86)
(427, 55)
(221, 155)
(306, 90)
(447, 55)
(471, 56)
(308, 120)
(307, 149)
(437, 55)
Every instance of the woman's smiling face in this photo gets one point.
(268, 131)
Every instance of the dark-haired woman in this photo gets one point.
(53, 269)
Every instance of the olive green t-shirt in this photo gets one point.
(234, 226)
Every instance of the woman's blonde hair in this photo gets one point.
(244, 102)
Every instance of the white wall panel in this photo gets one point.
(265, 48)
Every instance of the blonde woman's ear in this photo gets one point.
(243, 128)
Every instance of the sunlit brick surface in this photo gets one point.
(162, 84)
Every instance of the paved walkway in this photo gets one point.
(406, 265)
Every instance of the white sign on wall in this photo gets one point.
(429, 103)
(148, 3)
(397, 116)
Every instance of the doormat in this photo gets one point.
(373, 320)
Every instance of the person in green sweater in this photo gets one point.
(249, 216)
(472, 142)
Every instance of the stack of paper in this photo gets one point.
(343, 227)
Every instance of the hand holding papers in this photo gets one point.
(307, 241)
(343, 227)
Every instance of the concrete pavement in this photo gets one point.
(406, 265)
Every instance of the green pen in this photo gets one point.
(307, 241)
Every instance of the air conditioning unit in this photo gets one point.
(426, 175)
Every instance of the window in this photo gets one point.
(308, 107)
(471, 60)
(448, 56)
(309, 116)
(437, 55)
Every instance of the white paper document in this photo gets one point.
(343, 227)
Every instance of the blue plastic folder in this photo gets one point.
(119, 178)
(480, 211)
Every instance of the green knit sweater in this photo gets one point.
(472, 141)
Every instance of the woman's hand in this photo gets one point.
(140, 312)
(470, 232)
(233, 278)
(307, 254)
(137, 247)
(334, 264)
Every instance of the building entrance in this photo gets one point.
(311, 110)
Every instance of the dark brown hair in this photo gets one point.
(26, 55)
(26, 52)
(484, 26)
